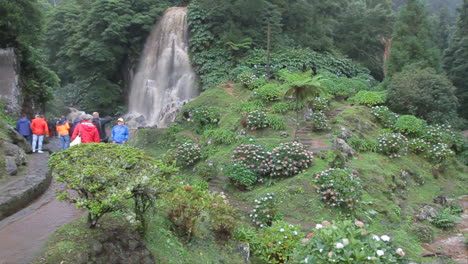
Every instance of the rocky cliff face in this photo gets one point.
(9, 80)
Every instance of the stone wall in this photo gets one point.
(9, 80)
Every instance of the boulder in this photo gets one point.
(344, 133)
(17, 139)
(427, 212)
(343, 147)
(16, 152)
(10, 165)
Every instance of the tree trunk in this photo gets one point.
(268, 51)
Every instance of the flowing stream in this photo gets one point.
(164, 80)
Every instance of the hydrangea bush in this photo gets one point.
(274, 244)
(265, 211)
(240, 175)
(392, 144)
(289, 159)
(253, 156)
(247, 79)
(319, 120)
(386, 117)
(417, 145)
(439, 152)
(338, 187)
(257, 120)
(206, 116)
(443, 134)
(320, 104)
(346, 242)
(187, 154)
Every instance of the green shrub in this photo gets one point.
(274, 244)
(255, 105)
(222, 216)
(247, 79)
(409, 125)
(439, 152)
(338, 187)
(253, 156)
(362, 145)
(207, 170)
(320, 104)
(257, 120)
(386, 117)
(220, 136)
(187, 154)
(319, 120)
(281, 108)
(445, 218)
(346, 242)
(276, 122)
(265, 211)
(369, 98)
(204, 116)
(269, 92)
(392, 144)
(240, 175)
(341, 86)
(289, 159)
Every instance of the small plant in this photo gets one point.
(319, 120)
(255, 105)
(206, 116)
(222, 216)
(257, 120)
(417, 145)
(439, 152)
(281, 108)
(346, 242)
(409, 125)
(240, 175)
(362, 145)
(253, 156)
(276, 122)
(187, 154)
(338, 187)
(386, 117)
(369, 98)
(220, 136)
(269, 92)
(445, 218)
(392, 144)
(320, 104)
(265, 211)
(289, 159)
(274, 244)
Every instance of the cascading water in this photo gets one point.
(164, 80)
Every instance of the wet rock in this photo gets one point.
(427, 212)
(16, 152)
(17, 139)
(10, 166)
(343, 147)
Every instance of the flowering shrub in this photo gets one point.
(256, 120)
(319, 120)
(392, 144)
(439, 152)
(369, 98)
(242, 176)
(417, 145)
(253, 156)
(205, 116)
(409, 125)
(386, 117)
(265, 211)
(187, 154)
(274, 244)
(269, 92)
(320, 104)
(346, 242)
(338, 187)
(443, 134)
(247, 79)
(289, 159)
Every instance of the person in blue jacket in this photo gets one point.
(119, 132)
(23, 126)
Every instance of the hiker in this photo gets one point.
(119, 132)
(88, 131)
(39, 128)
(100, 123)
(75, 122)
(63, 130)
(51, 125)
(23, 126)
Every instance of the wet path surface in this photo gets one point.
(24, 234)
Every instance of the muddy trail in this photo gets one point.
(25, 233)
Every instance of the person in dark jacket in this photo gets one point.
(100, 123)
(23, 126)
(51, 125)
(88, 131)
(75, 122)
(120, 132)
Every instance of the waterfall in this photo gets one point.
(10, 92)
(164, 80)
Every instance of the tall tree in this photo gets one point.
(412, 43)
(456, 58)
(442, 29)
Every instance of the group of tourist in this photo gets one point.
(91, 128)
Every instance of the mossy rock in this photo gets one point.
(423, 232)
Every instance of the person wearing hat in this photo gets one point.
(119, 132)
(88, 131)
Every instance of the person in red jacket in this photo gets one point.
(88, 131)
(39, 128)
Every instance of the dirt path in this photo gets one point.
(24, 234)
